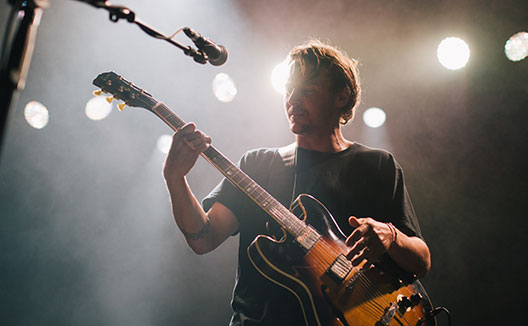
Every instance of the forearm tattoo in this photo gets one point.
(200, 234)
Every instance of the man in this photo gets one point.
(349, 178)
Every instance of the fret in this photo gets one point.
(245, 183)
(225, 165)
(250, 187)
(260, 195)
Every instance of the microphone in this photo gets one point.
(217, 54)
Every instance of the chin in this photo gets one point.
(298, 130)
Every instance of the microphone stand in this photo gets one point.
(120, 12)
(17, 50)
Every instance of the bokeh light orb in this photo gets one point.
(516, 48)
(453, 53)
(36, 115)
(279, 76)
(374, 117)
(98, 108)
(224, 87)
(164, 143)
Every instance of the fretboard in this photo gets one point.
(237, 177)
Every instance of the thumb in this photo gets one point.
(353, 221)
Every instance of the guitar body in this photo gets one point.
(369, 296)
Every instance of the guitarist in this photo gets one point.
(362, 187)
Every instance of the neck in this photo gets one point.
(329, 142)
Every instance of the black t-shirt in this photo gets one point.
(359, 181)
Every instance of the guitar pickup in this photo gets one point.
(339, 269)
(308, 238)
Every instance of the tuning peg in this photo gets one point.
(121, 106)
(109, 99)
(97, 93)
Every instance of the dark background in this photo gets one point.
(86, 234)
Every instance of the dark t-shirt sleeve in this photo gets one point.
(227, 194)
(402, 213)
(256, 164)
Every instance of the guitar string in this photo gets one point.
(366, 280)
(374, 298)
(369, 310)
(372, 301)
(372, 304)
(368, 284)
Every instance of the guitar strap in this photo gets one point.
(282, 175)
(281, 181)
(287, 154)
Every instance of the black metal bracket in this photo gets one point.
(120, 12)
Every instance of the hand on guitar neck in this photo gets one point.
(203, 231)
(187, 144)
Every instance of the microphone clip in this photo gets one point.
(214, 53)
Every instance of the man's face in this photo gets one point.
(310, 103)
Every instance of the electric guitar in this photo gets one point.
(329, 289)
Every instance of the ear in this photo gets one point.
(341, 97)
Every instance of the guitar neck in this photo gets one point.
(237, 177)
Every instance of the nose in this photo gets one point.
(292, 97)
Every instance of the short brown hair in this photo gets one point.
(315, 55)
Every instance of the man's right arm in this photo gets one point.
(203, 231)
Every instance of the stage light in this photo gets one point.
(279, 76)
(374, 117)
(164, 143)
(516, 47)
(98, 108)
(224, 87)
(36, 115)
(453, 53)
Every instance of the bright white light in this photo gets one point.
(164, 143)
(98, 108)
(224, 87)
(374, 117)
(516, 47)
(453, 53)
(36, 115)
(279, 76)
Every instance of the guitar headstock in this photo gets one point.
(121, 89)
